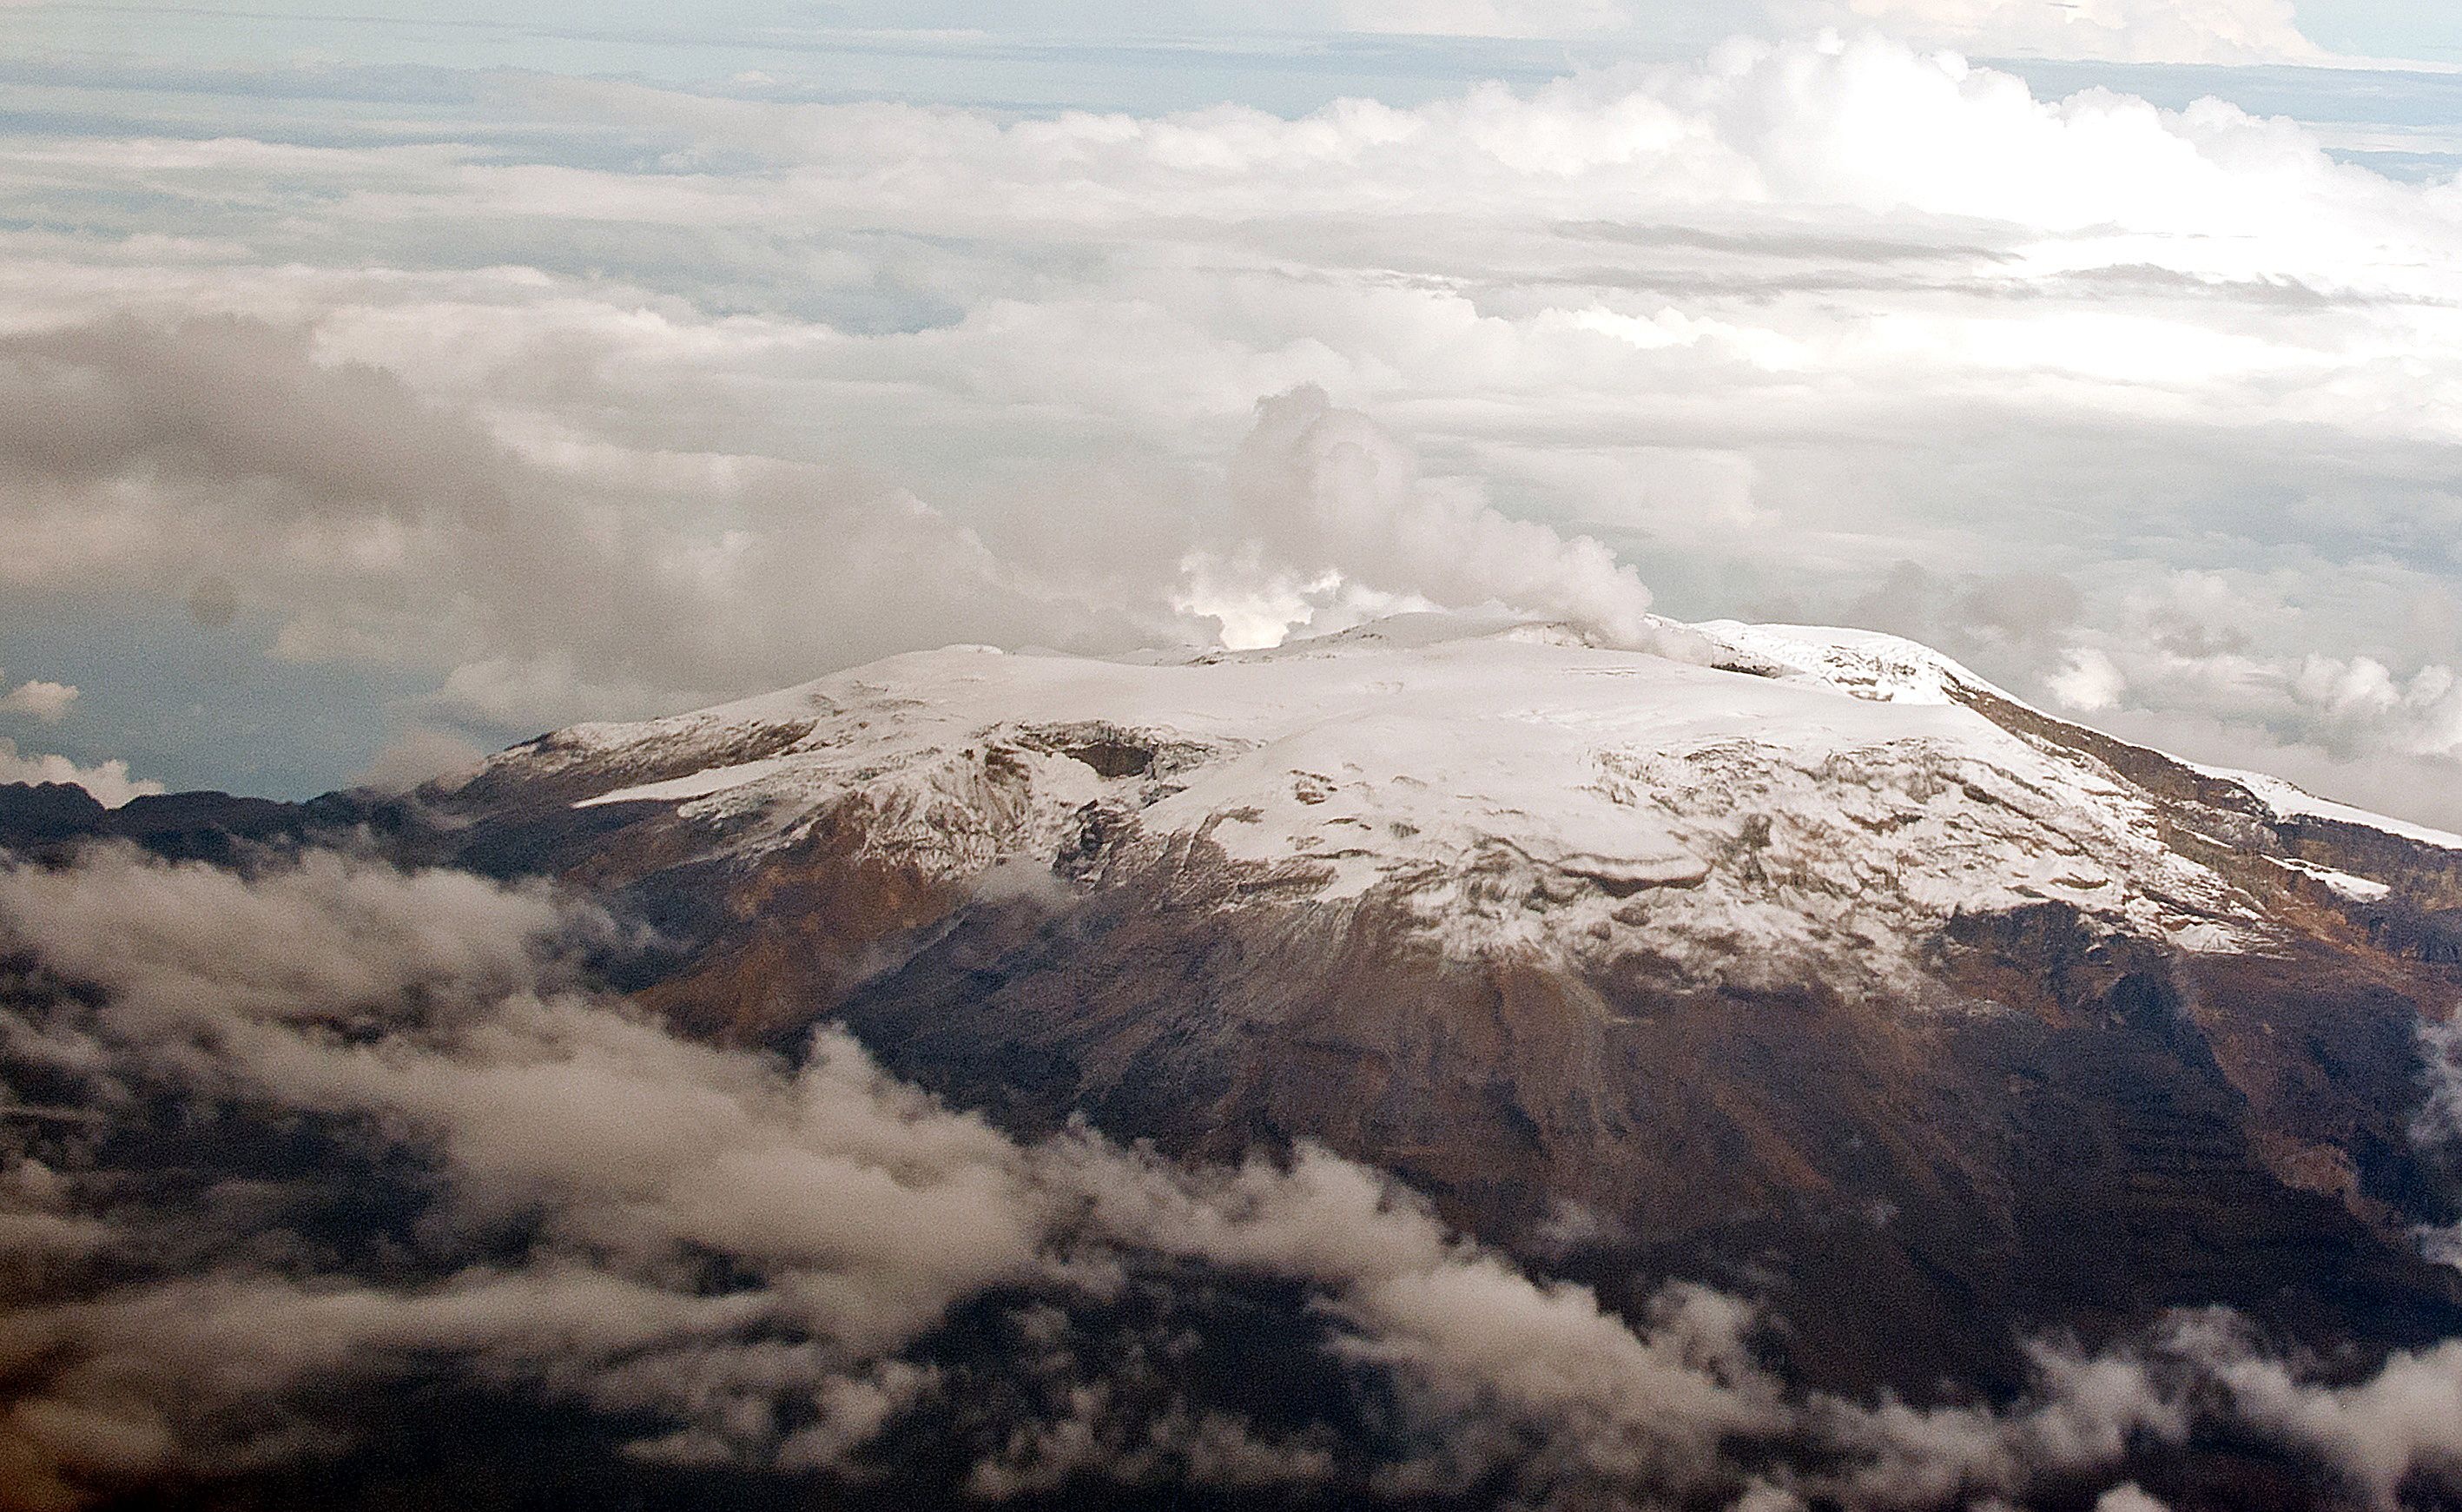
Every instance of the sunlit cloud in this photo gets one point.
(604, 400)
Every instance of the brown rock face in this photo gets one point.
(2099, 1134)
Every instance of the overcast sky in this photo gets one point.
(378, 387)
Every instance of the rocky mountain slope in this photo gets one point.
(1802, 962)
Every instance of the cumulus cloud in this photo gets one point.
(2082, 1414)
(2386, 1435)
(2354, 703)
(2395, 1428)
(110, 781)
(1472, 1338)
(1333, 524)
(395, 532)
(2210, 664)
(798, 384)
(48, 701)
(194, 945)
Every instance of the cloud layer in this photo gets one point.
(589, 399)
(284, 1145)
(2131, 31)
(584, 1171)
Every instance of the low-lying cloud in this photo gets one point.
(411, 1149)
(582, 1171)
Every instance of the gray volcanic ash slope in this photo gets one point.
(1845, 1030)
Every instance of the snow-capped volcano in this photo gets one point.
(1780, 802)
(1800, 962)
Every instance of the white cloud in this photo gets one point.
(2380, 1432)
(48, 701)
(2090, 683)
(416, 756)
(2081, 1413)
(109, 781)
(433, 1008)
(400, 532)
(1761, 326)
(1331, 524)
(2196, 643)
(585, 1167)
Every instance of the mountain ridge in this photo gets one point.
(1803, 964)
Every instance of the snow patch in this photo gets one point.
(1864, 663)
(2288, 802)
(692, 785)
(2358, 889)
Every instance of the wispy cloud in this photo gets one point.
(435, 1012)
(346, 1132)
